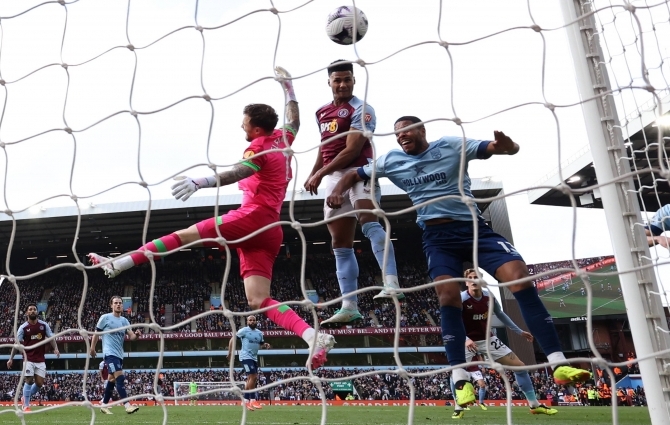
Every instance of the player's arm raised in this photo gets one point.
(292, 110)
(502, 145)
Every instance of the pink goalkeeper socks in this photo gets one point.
(164, 244)
(285, 317)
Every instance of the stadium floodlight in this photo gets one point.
(574, 179)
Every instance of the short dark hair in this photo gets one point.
(31, 305)
(263, 116)
(111, 300)
(410, 118)
(340, 67)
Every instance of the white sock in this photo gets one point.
(253, 400)
(124, 263)
(391, 281)
(127, 404)
(349, 305)
(308, 335)
(556, 357)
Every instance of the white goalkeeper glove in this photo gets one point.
(284, 79)
(187, 186)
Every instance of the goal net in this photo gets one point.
(210, 392)
(104, 103)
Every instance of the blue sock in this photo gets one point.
(121, 386)
(347, 272)
(377, 235)
(538, 320)
(247, 397)
(482, 395)
(109, 389)
(255, 397)
(526, 385)
(453, 334)
(26, 394)
(34, 389)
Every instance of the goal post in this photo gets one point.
(212, 391)
(622, 211)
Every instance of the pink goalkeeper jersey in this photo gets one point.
(267, 187)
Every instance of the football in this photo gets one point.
(340, 25)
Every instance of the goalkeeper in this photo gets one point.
(263, 175)
(193, 392)
(432, 172)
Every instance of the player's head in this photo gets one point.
(116, 302)
(411, 140)
(259, 120)
(341, 80)
(251, 322)
(31, 311)
(472, 283)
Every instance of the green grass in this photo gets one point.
(340, 415)
(605, 301)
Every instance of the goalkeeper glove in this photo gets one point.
(187, 186)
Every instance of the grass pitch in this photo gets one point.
(340, 415)
(607, 298)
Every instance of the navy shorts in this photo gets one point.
(250, 366)
(447, 246)
(114, 364)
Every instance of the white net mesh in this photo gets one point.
(105, 102)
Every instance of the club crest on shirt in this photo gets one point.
(342, 113)
(368, 118)
(469, 306)
(436, 154)
(248, 154)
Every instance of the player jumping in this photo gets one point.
(263, 175)
(335, 157)
(428, 172)
(32, 332)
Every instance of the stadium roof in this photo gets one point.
(118, 226)
(642, 136)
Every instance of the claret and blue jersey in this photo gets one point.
(432, 174)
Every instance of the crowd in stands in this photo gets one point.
(546, 267)
(371, 386)
(186, 286)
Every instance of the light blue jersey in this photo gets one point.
(251, 343)
(432, 174)
(112, 343)
(660, 222)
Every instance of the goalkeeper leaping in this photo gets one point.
(263, 180)
(428, 171)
